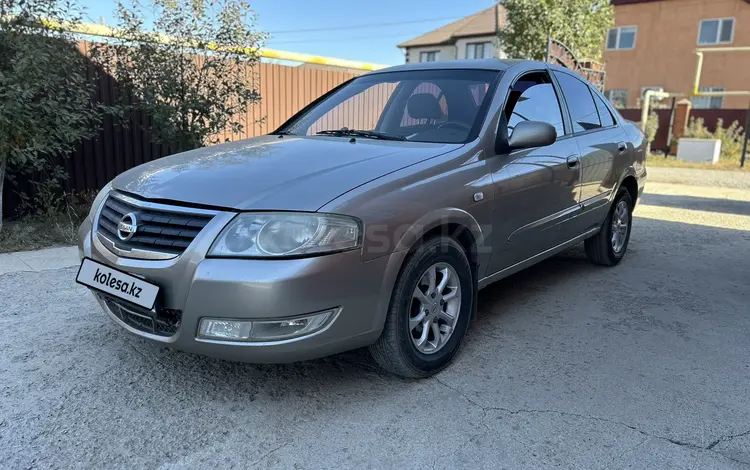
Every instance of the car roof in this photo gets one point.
(465, 64)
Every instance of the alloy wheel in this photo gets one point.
(620, 226)
(434, 309)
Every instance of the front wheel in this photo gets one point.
(429, 311)
(608, 247)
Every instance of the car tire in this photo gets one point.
(606, 249)
(397, 350)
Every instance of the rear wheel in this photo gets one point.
(608, 247)
(429, 312)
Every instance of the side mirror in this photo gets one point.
(530, 134)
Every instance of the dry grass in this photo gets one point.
(672, 162)
(35, 232)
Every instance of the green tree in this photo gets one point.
(46, 102)
(192, 73)
(579, 24)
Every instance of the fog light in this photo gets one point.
(225, 329)
(284, 329)
(272, 330)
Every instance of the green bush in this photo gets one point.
(731, 137)
(46, 98)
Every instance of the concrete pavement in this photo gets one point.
(568, 365)
(700, 177)
(39, 260)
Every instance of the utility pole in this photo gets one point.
(744, 143)
(671, 127)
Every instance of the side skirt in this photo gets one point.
(484, 282)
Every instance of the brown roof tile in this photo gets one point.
(478, 24)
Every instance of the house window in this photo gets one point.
(621, 38)
(716, 31)
(428, 56)
(618, 98)
(708, 102)
(478, 50)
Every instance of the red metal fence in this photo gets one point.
(710, 118)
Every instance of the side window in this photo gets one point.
(533, 98)
(604, 115)
(580, 102)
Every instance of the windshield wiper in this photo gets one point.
(362, 133)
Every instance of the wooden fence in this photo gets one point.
(284, 90)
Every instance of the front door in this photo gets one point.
(536, 190)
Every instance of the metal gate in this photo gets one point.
(559, 54)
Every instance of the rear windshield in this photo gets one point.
(445, 106)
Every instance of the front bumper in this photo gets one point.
(261, 290)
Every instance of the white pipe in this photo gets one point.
(646, 102)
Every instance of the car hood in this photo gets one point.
(271, 172)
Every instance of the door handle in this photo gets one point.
(573, 161)
(622, 147)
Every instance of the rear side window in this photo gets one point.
(580, 103)
(604, 115)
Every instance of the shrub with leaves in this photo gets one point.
(192, 74)
(46, 102)
(579, 24)
(731, 137)
(652, 127)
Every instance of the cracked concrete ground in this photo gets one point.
(568, 366)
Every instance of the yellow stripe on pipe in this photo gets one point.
(106, 31)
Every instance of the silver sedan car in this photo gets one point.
(371, 218)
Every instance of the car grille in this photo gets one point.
(168, 232)
(163, 322)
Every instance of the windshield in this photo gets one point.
(446, 106)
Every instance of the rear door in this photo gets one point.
(599, 139)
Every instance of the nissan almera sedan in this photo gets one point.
(371, 218)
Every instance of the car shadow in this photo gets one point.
(556, 269)
(725, 206)
(353, 368)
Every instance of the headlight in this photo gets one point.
(284, 234)
(98, 200)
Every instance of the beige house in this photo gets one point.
(473, 37)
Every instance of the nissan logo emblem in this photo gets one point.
(127, 227)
